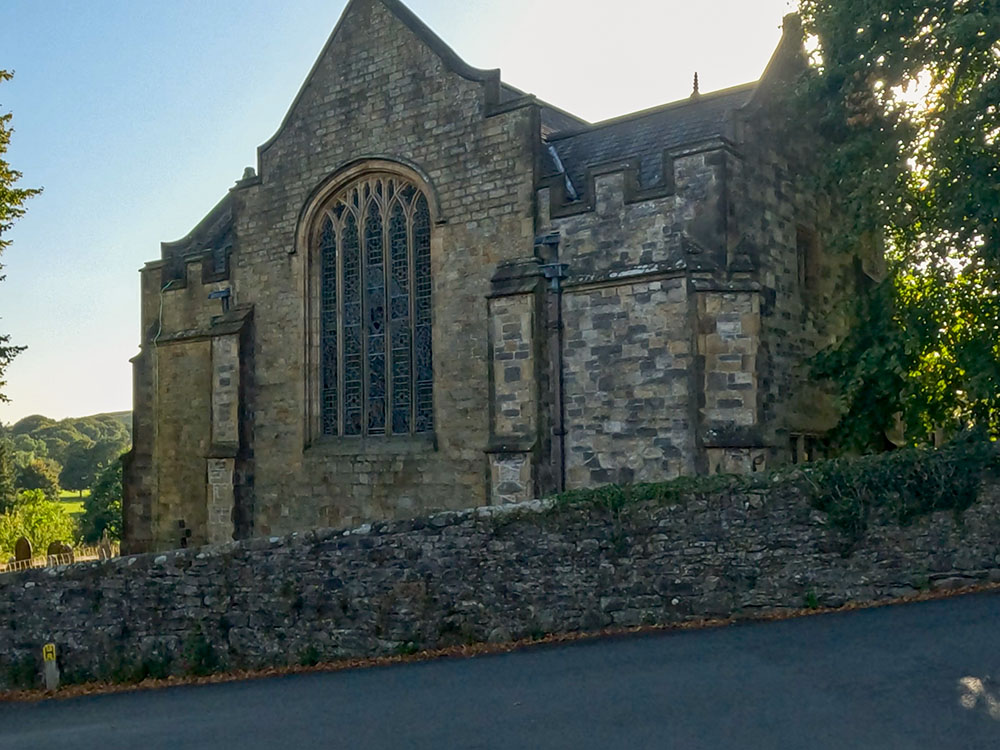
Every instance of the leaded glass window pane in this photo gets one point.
(375, 318)
(328, 328)
(376, 368)
(400, 323)
(353, 368)
(424, 381)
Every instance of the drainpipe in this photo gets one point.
(555, 272)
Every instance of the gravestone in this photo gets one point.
(60, 549)
(104, 548)
(22, 550)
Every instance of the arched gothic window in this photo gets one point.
(374, 260)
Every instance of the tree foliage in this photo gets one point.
(102, 509)
(12, 200)
(40, 474)
(80, 446)
(78, 469)
(39, 519)
(31, 424)
(7, 476)
(25, 444)
(906, 96)
(58, 438)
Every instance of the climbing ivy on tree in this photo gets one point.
(12, 201)
(906, 97)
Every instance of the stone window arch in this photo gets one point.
(371, 269)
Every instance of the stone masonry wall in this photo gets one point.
(516, 398)
(172, 382)
(805, 281)
(489, 573)
(379, 91)
(628, 382)
(184, 374)
(512, 336)
(728, 345)
(632, 386)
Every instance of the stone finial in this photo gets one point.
(248, 174)
(694, 91)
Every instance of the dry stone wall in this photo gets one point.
(490, 573)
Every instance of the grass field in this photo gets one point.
(73, 501)
(73, 495)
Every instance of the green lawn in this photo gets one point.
(73, 494)
(72, 501)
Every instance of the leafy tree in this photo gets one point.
(905, 94)
(6, 474)
(100, 438)
(80, 446)
(30, 424)
(83, 460)
(40, 474)
(102, 509)
(58, 438)
(101, 428)
(12, 201)
(38, 518)
(79, 467)
(28, 444)
(112, 445)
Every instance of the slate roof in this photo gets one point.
(644, 135)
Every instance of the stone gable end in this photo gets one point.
(378, 88)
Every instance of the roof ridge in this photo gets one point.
(649, 111)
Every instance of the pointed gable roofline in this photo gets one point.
(787, 62)
(490, 79)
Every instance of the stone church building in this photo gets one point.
(436, 291)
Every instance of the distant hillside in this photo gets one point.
(30, 423)
(125, 417)
(75, 449)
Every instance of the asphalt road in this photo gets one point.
(915, 676)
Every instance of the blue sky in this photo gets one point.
(137, 115)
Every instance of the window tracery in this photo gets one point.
(376, 363)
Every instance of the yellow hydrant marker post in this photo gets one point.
(50, 667)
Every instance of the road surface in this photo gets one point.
(914, 676)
